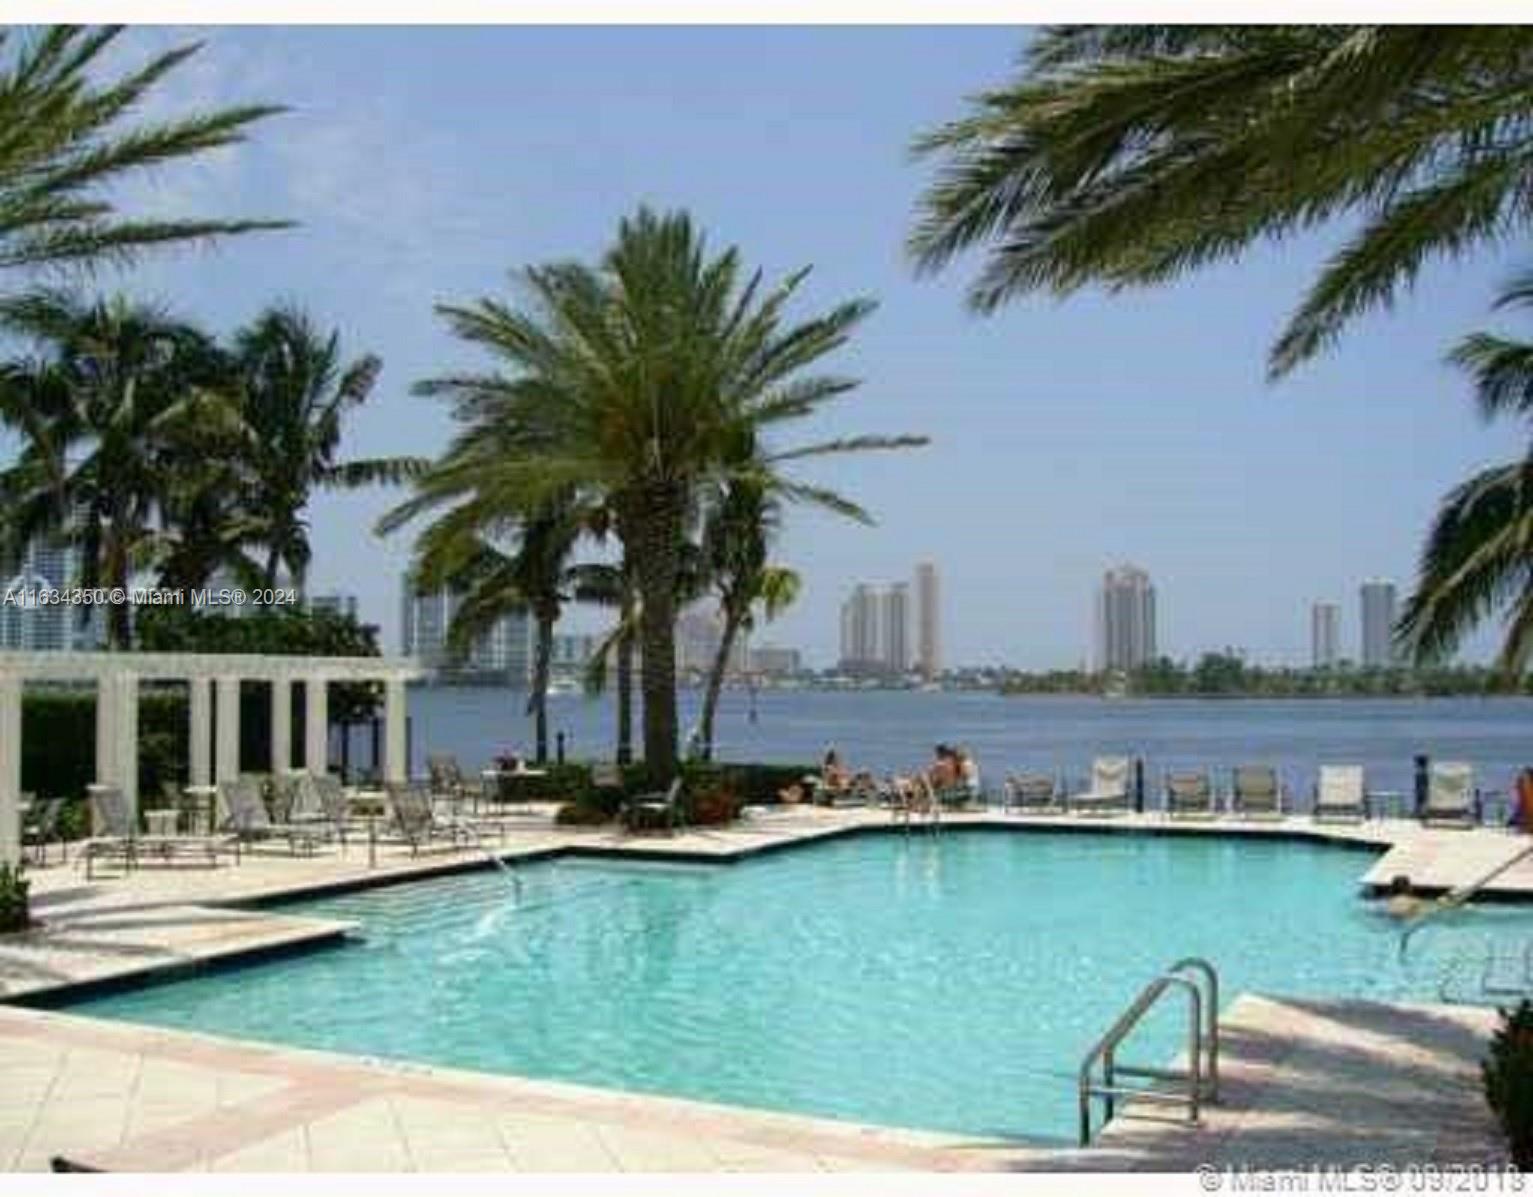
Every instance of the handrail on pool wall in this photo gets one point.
(1202, 1072)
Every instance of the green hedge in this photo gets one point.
(716, 785)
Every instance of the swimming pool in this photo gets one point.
(947, 983)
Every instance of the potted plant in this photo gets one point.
(15, 913)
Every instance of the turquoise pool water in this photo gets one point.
(950, 983)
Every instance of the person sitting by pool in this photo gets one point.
(1402, 904)
(943, 773)
(834, 776)
(968, 772)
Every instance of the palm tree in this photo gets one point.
(117, 384)
(626, 383)
(1129, 155)
(207, 509)
(67, 142)
(736, 538)
(462, 549)
(1478, 558)
(294, 391)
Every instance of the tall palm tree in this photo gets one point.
(736, 539)
(1478, 558)
(1129, 155)
(116, 384)
(294, 391)
(625, 383)
(68, 139)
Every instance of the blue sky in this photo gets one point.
(425, 164)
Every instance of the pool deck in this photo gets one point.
(1304, 1082)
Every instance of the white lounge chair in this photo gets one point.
(1108, 791)
(1340, 794)
(1451, 794)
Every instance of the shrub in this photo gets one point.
(15, 913)
(1508, 1075)
(582, 814)
(712, 807)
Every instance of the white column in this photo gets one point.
(10, 769)
(126, 728)
(200, 757)
(281, 725)
(228, 763)
(394, 730)
(107, 693)
(316, 725)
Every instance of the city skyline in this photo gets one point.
(1129, 408)
(1125, 620)
(884, 631)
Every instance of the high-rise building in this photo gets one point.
(1125, 619)
(26, 623)
(426, 619)
(774, 661)
(928, 622)
(699, 631)
(336, 604)
(894, 628)
(861, 630)
(1324, 635)
(571, 652)
(1378, 623)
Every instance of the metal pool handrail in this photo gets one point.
(1201, 1077)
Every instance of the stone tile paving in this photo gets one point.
(1353, 1080)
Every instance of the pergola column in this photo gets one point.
(228, 762)
(107, 694)
(281, 725)
(125, 729)
(394, 730)
(200, 733)
(10, 768)
(316, 725)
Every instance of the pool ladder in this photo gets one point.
(1191, 1086)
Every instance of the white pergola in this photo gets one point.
(210, 677)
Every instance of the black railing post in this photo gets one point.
(559, 748)
(1139, 785)
(1423, 764)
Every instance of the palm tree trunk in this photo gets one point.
(537, 701)
(273, 556)
(653, 535)
(716, 683)
(119, 629)
(625, 700)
